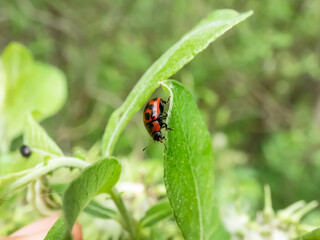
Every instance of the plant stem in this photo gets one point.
(41, 169)
(128, 220)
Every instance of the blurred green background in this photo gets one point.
(258, 86)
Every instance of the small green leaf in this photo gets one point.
(29, 86)
(97, 178)
(38, 140)
(169, 63)
(188, 166)
(16, 61)
(313, 235)
(156, 213)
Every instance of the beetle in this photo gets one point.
(154, 117)
(25, 151)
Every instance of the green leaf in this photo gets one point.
(38, 140)
(188, 166)
(209, 29)
(97, 210)
(17, 60)
(30, 86)
(156, 213)
(97, 178)
(57, 231)
(313, 235)
(41, 146)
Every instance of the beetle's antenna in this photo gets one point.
(147, 146)
(164, 144)
(153, 143)
(168, 99)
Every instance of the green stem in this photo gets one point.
(41, 169)
(128, 220)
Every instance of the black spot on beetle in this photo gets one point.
(147, 116)
(150, 126)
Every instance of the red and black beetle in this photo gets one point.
(153, 118)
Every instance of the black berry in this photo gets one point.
(25, 151)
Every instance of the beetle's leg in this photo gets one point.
(164, 125)
(163, 116)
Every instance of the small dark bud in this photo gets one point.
(25, 151)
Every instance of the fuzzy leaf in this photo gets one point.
(57, 230)
(36, 138)
(188, 167)
(97, 178)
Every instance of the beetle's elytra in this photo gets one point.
(154, 117)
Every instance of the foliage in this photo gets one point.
(257, 91)
(24, 89)
(168, 64)
(102, 175)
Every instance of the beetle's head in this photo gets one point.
(157, 136)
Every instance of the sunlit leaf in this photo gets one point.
(29, 86)
(17, 60)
